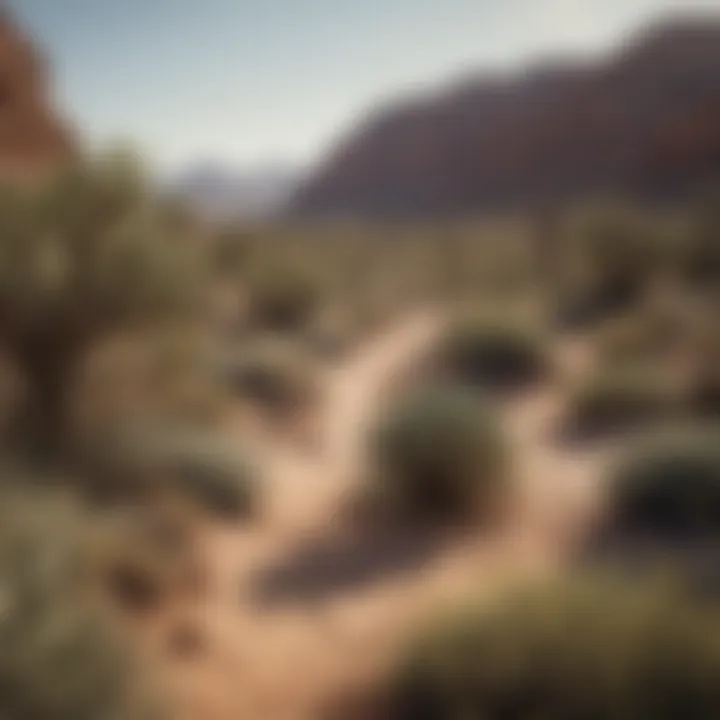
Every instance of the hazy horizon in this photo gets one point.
(277, 81)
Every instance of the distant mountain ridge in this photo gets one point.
(224, 192)
(645, 121)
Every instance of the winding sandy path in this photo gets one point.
(302, 609)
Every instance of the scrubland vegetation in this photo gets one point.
(133, 337)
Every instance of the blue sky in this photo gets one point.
(250, 81)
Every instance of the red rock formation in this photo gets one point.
(32, 137)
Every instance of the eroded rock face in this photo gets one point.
(33, 138)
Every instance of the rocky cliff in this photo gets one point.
(33, 139)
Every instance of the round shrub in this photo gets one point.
(276, 375)
(284, 297)
(492, 353)
(619, 398)
(439, 452)
(668, 487)
(596, 650)
(59, 654)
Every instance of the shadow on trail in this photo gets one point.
(333, 564)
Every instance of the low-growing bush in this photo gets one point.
(619, 398)
(278, 376)
(591, 649)
(621, 252)
(644, 335)
(146, 555)
(492, 353)
(704, 380)
(331, 336)
(165, 374)
(700, 258)
(704, 396)
(668, 487)
(439, 452)
(150, 463)
(283, 297)
(60, 656)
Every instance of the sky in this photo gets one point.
(250, 82)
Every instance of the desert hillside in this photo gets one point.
(645, 120)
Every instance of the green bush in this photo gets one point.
(621, 253)
(700, 252)
(283, 296)
(60, 658)
(668, 487)
(439, 453)
(146, 555)
(144, 374)
(213, 474)
(231, 251)
(644, 335)
(704, 398)
(85, 256)
(492, 353)
(149, 463)
(332, 335)
(613, 255)
(619, 398)
(704, 381)
(278, 376)
(595, 650)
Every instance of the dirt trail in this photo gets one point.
(301, 608)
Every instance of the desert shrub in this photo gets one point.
(283, 296)
(216, 476)
(492, 353)
(231, 250)
(548, 244)
(159, 373)
(646, 334)
(591, 649)
(704, 395)
(276, 375)
(331, 336)
(84, 256)
(704, 375)
(146, 555)
(146, 462)
(439, 452)
(700, 252)
(621, 256)
(668, 487)
(59, 654)
(621, 397)
(617, 254)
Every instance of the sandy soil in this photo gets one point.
(302, 609)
